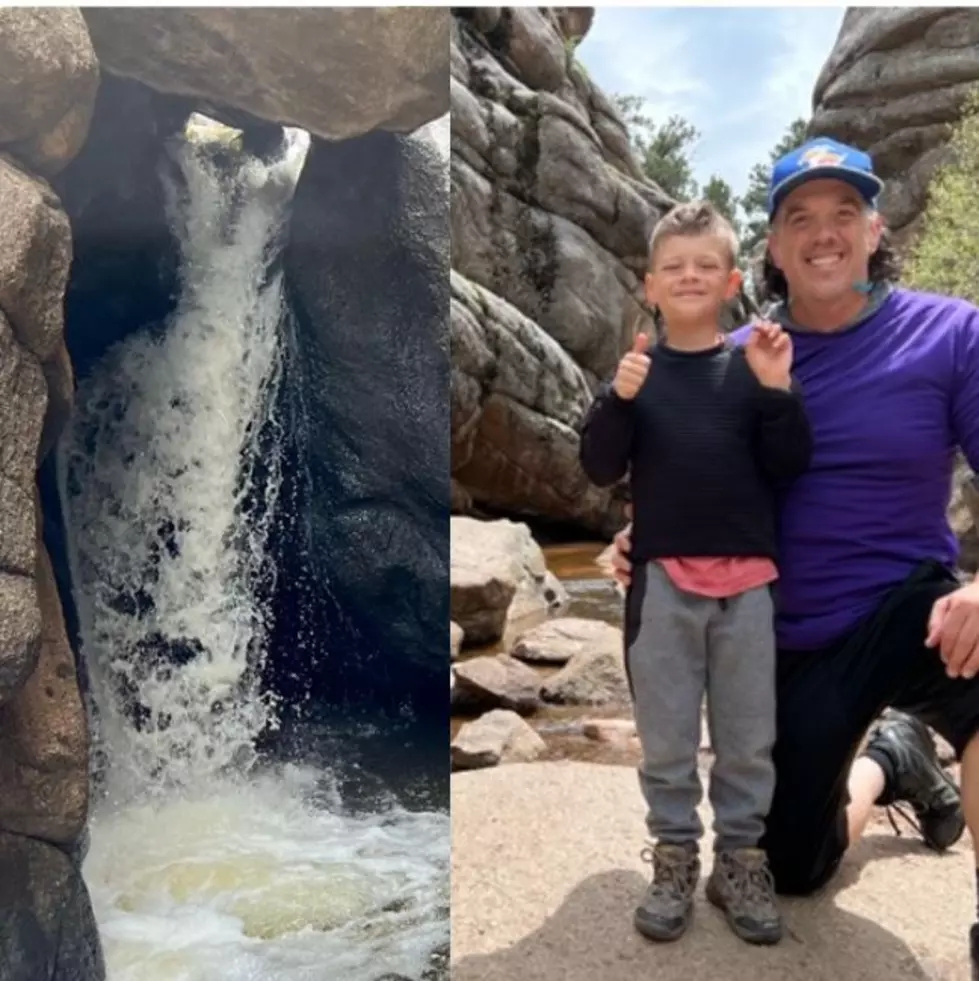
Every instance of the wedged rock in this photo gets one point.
(44, 735)
(336, 72)
(517, 400)
(47, 927)
(366, 265)
(35, 254)
(456, 637)
(498, 572)
(47, 93)
(595, 677)
(894, 84)
(497, 737)
(495, 681)
(559, 641)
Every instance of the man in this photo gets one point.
(869, 613)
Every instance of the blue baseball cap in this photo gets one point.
(823, 158)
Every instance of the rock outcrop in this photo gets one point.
(367, 265)
(46, 103)
(336, 72)
(894, 84)
(550, 220)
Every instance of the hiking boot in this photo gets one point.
(916, 777)
(742, 887)
(667, 907)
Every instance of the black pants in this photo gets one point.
(827, 699)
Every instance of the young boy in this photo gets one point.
(707, 431)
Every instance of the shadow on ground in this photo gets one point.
(893, 913)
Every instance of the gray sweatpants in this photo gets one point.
(680, 647)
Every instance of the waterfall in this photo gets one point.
(201, 864)
(169, 475)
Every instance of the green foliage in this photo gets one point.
(755, 198)
(663, 150)
(720, 194)
(945, 255)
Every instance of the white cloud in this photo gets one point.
(740, 84)
(638, 57)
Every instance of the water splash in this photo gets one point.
(169, 476)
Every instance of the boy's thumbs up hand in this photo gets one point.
(632, 369)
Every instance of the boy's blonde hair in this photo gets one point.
(694, 218)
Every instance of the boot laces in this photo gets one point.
(752, 883)
(671, 875)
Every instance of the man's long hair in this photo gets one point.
(771, 286)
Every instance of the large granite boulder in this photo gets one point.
(336, 72)
(894, 84)
(50, 77)
(367, 267)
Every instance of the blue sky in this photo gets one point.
(739, 74)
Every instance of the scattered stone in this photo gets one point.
(610, 730)
(558, 641)
(592, 678)
(496, 681)
(456, 637)
(500, 736)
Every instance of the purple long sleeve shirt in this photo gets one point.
(889, 399)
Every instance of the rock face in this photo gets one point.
(335, 72)
(893, 84)
(50, 76)
(46, 102)
(550, 219)
(48, 930)
(44, 735)
(367, 267)
(35, 252)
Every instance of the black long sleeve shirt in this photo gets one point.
(706, 445)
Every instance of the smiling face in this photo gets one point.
(691, 277)
(822, 239)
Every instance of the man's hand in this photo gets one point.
(621, 566)
(953, 627)
(632, 369)
(769, 354)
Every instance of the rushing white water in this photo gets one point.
(202, 866)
